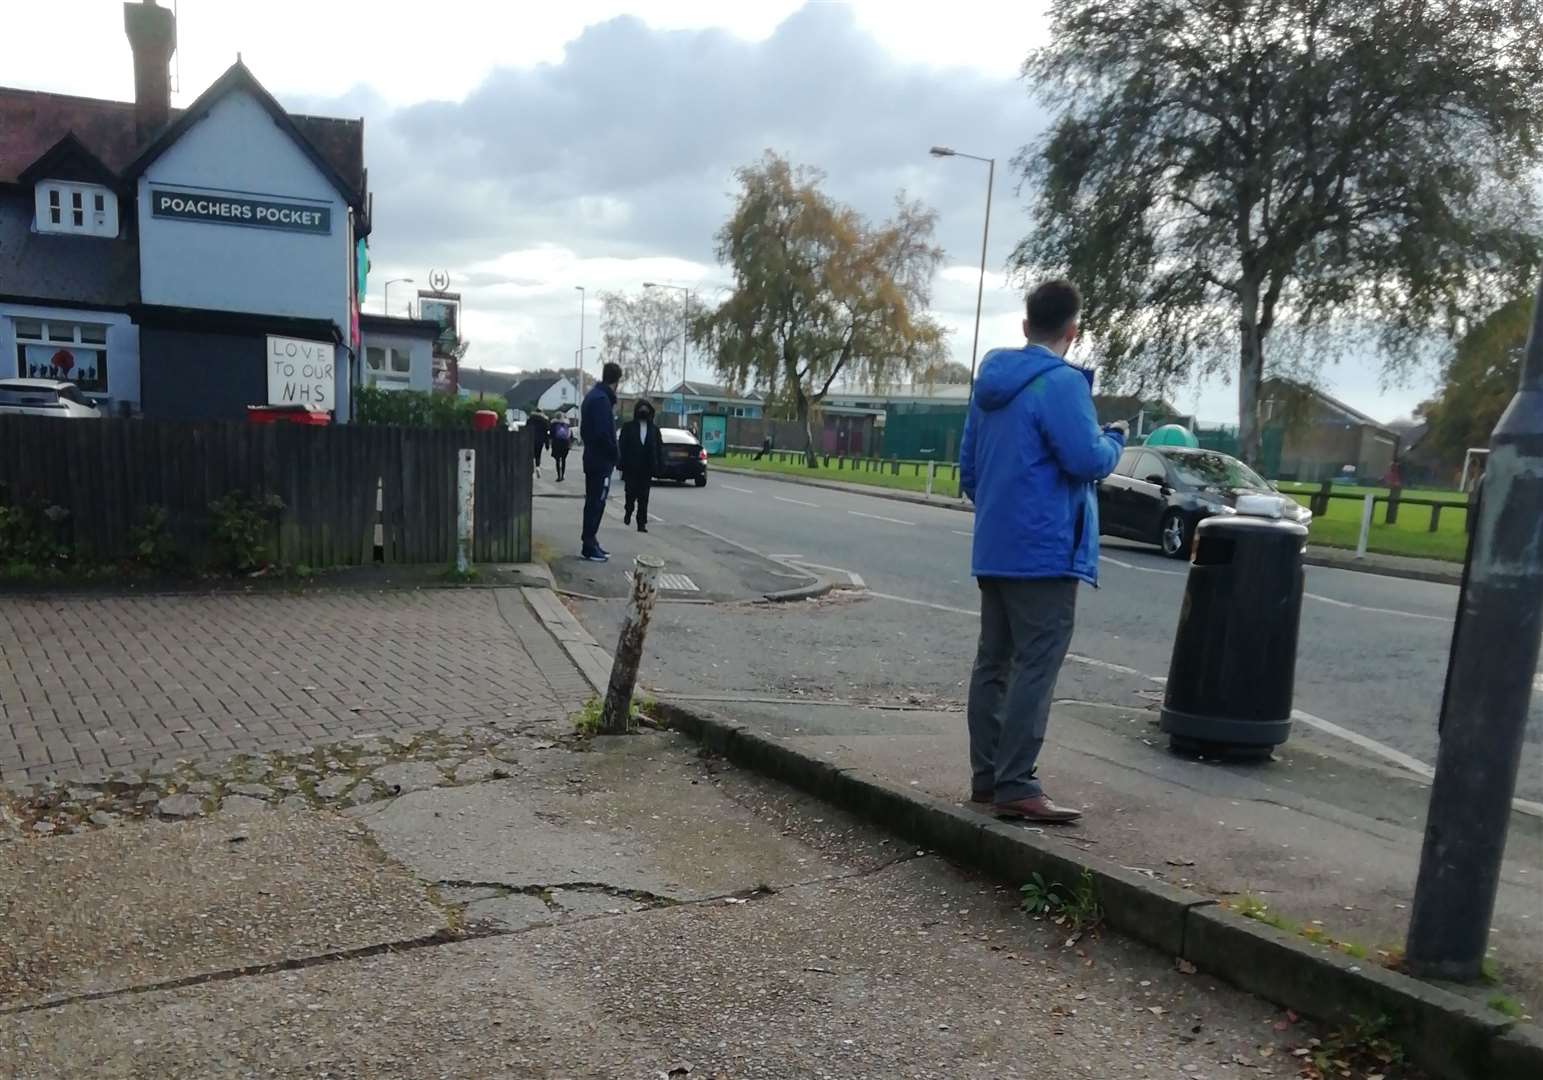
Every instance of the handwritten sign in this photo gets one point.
(300, 372)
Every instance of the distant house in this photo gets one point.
(1308, 435)
(701, 397)
(479, 382)
(547, 392)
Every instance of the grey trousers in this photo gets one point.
(1025, 631)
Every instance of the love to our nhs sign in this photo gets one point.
(300, 372)
(219, 209)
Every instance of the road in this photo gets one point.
(1371, 660)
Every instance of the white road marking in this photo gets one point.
(1397, 757)
(1141, 569)
(797, 502)
(742, 491)
(790, 557)
(960, 532)
(856, 580)
(879, 517)
(1376, 610)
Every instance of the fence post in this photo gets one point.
(1320, 505)
(1435, 517)
(616, 715)
(1394, 494)
(932, 468)
(1368, 510)
(466, 498)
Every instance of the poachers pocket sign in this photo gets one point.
(300, 372)
(221, 209)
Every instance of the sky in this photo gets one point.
(529, 148)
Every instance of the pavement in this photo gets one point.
(504, 899)
(1327, 834)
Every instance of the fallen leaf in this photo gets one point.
(1155, 1010)
(1184, 966)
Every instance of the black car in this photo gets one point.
(684, 458)
(1158, 494)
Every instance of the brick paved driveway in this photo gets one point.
(89, 685)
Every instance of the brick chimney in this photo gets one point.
(153, 36)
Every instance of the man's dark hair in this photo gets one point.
(611, 373)
(1051, 305)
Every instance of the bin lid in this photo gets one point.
(1172, 435)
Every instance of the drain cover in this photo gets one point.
(672, 583)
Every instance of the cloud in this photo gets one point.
(616, 165)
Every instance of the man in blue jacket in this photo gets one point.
(597, 427)
(1031, 455)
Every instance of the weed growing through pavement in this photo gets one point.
(587, 720)
(1077, 908)
(1507, 1006)
(1360, 1048)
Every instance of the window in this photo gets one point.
(1217, 471)
(92, 209)
(66, 351)
(1127, 465)
(388, 364)
(1149, 465)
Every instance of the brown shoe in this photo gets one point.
(1039, 808)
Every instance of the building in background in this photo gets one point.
(1309, 436)
(548, 392)
(181, 263)
(695, 398)
(398, 352)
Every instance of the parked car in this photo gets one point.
(1158, 494)
(684, 458)
(45, 397)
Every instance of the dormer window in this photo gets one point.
(81, 209)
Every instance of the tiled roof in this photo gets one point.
(32, 121)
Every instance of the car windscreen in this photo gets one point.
(28, 396)
(1216, 471)
(677, 435)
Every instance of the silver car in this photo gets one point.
(45, 397)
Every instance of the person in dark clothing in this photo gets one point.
(540, 431)
(642, 455)
(561, 437)
(597, 427)
(766, 446)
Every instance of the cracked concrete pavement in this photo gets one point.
(622, 908)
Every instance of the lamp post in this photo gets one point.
(580, 354)
(1490, 680)
(394, 281)
(991, 173)
(685, 332)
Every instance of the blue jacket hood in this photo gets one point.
(1005, 372)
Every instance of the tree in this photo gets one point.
(819, 292)
(1479, 381)
(948, 373)
(643, 334)
(1221, 169)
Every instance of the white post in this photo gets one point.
(466, 490)
(1368, 508)
(932, 468)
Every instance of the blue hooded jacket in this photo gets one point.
(1031, 453)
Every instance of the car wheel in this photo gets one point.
(1174, 536)
(701, 481)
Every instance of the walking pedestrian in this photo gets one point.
(642, 455)
(766, 446)
(540, 430)
(597, 428)
(1031, 454)
(562, 442)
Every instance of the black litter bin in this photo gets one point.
(1235, 654)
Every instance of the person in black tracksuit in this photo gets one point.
(540, 429)
(642, 455)
(597, 430)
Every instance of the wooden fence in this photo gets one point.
(108, 473)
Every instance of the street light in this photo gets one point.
(394, 281)
(991, 173)
(685, 332)
(580, 354)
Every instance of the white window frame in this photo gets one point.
(387, 372)
(57, 333)
(61, 196)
